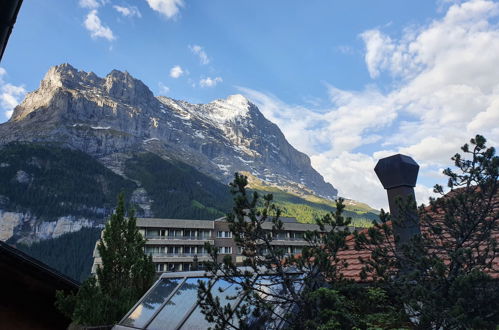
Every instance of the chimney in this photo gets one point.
(398, 174)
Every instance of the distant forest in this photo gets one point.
(71, 253)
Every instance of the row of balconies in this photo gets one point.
(186, 238)
(178, 255)
(201, 238)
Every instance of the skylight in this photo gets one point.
(172, 302)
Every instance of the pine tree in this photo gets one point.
(124, 276)
(448, 284)
(259, 300)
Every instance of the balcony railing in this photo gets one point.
(185, 238)
(177, 255)
(289, 239)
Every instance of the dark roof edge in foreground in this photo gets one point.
(9, 10)
(32, 262)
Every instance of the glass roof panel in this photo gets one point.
(178, 306)
(226, 291)
(273, 285)
(154, 299)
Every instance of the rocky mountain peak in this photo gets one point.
(59, 76)
(123, 86)
(234, 106)
(119, 115)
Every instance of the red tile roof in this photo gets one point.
(352, 256)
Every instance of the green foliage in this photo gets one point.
(125, 275)
(71, 253)
(254, 222)
(441, 275)
(177, 189)
(439, 279)
(58, 181)
(352, 306)
(89, 306)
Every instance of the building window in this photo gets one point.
(160, 267)
(152, 233)
(154, 249)
(280, 236)
(189, 233)
(174, 267)
(225, 249)
(224, 234)
(174, 250)
(204, 234)
(296, 236)
(190, 250)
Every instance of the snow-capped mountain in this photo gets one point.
(112, 117)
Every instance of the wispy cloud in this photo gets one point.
(345, 49)
(130, 11)
(10, 95)
(210, 82)
(445, 89)
(176, 71)
(199, 51)
(163, 89)
(97, 29)
(168, 8)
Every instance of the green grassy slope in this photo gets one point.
(307, 208)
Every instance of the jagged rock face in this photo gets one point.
(118, 114)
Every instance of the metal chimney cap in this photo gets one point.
(396, 171)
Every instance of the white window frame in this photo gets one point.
(225, 249)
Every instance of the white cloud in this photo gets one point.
(168, 8)
(176, 71)
(130, 11)
(90, 4)
(445, 89)
(10, 95)
(163, 89)
(210, 82)
(377, 46)
(97, 30)
(199, 51)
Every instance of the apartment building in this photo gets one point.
(175, 244)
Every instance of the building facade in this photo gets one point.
(178, 244)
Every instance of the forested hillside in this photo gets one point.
(178, 190)
(71, 253)
(49, 181)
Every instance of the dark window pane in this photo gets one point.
(226, 292)
(143, 312)
(178, 306)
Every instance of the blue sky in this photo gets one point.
(348, 82)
